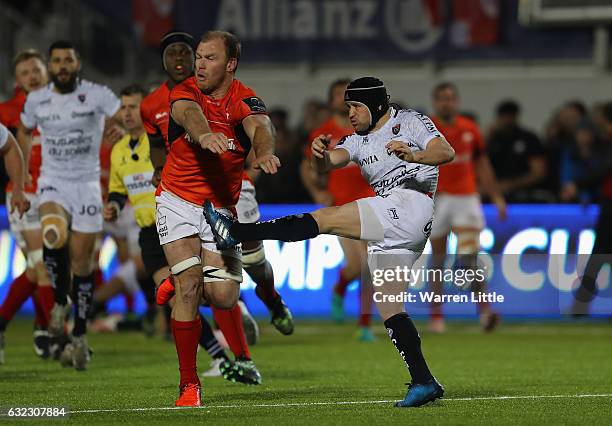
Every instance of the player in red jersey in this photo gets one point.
(331, 190)
(30, 74)
(213, 121)
(458, 206)
(178, 55)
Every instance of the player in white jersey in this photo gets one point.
(70, 114)
(398, 152)
(15, 166)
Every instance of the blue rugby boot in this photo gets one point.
(421, 393)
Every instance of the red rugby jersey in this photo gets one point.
(195, 174)
(9, 116)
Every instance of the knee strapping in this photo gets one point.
(254, 257)
(468, 243)
(183, 265)
(213, 274)
(34, 257)
(56, 225)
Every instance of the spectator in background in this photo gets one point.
(560, 136)
(314, 113)
(596, 176)
(577, 161)
(517, 156)
(286, 185)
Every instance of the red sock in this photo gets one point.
(366, 292)
(436, 312)
(39, 318)
(341, 285)
(98, 278)
(483, 307)
(230, 323)
(46, 297)
(186, 339)
(20, 290)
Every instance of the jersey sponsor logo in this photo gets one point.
(367, 161)
(396, 128)
(162, 227)
(161, 115)
(90, 210)
(139, 183)
(76, 143)
(76, 114)
(429, 125)
(49, 117)
(395, 177)
(255, 104)
(48, 188)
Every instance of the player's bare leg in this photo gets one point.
(184, 259)
(468, 245)
(344, 221)
(260, 270)
(32, 283)
(44, 297)
(438, 257)
(222, 277)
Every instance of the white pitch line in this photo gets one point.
(309, 404)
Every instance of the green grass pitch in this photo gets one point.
(544, 373)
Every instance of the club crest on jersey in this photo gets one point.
(81, 97)
(364, 141)
(396, 128)
(393, 213)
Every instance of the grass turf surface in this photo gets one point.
(324, 364)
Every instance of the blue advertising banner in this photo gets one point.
(531, 259)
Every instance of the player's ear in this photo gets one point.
(231, 65)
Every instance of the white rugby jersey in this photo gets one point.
(383, 170)
(71, 127)
(4, 134)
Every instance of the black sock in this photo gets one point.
(209, 341)
(57, 263)
(405, 337)
(83, 298)
(296, 227)
(147, 285)
(3, 324)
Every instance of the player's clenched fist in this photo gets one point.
(20, 203)
(319, 145)
(401, 151)
(110, 212)
(269, 163)
(214, 142)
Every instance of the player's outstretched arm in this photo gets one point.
(323, 159)
(260, 131)
(438, 151)
(190, 116)
(15, 168)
